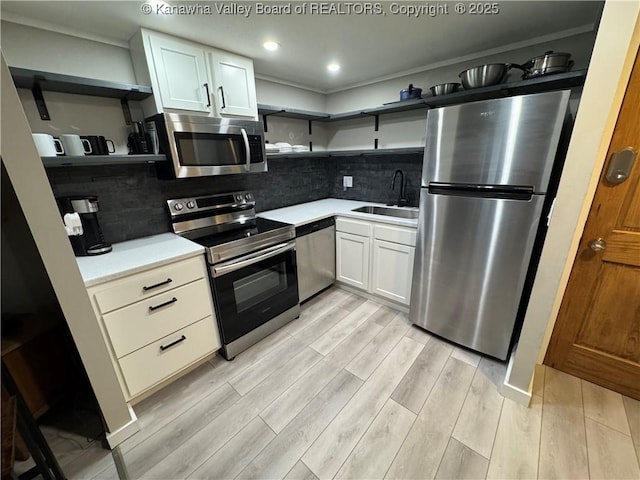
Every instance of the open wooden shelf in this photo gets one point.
(95, 160)
(350, 153)
(56, 82)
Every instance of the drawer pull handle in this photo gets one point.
(164, 347)
(156, 285)
(169, 302)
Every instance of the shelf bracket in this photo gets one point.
(39, 99)
(264, 118)
(310, 128)
(376, 121)
(126, 111)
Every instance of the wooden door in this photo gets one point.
(597, 334)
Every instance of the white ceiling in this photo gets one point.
(367, 46)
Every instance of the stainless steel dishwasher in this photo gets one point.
(316, 256)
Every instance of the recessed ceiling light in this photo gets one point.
(333, 67)
(271, 45)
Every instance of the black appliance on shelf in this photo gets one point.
(139, 141)
(80, 215)
(252, 265)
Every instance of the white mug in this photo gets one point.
(74, 145)
(47, 145)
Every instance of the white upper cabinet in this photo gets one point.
(190, 77)
(181, 72)
(234, 89)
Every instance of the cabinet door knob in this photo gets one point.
(598, 245)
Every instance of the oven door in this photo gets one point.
(252, 289)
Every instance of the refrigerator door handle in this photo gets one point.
(508, 192)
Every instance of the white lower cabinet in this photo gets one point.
(157, 323)
(392, 270)
(154, 362)
(375, 257)
(352, 259)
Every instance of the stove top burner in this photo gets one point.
(260, 227)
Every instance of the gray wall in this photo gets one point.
(377, 93)
(38, 49)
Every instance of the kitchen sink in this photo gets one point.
(390, 212)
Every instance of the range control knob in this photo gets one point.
(239, 197)
(190, 204)
(178, 206)
(247, 197)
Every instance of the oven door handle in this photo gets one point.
(233, 265)
(247, 149)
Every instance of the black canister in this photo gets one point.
(139, 141)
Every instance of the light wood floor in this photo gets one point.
(351, 390)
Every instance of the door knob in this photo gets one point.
(597, 245)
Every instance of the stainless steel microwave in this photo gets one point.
(198, 146)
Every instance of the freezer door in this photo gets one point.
(472, 256)
(507, 141)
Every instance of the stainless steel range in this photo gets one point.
(252, 265)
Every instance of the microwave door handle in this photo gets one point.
(247, 149)
(232, 266)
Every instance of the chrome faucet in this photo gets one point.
(402, 200)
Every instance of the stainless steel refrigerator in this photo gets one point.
(486, 171)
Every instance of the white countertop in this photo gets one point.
(304, 213)
(141, 254)
(136, 255)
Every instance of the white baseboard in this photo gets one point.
(116, 438)
(518, 395)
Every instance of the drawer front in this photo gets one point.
(147, 284)
(137, 325)
(355, 227)
(150, 365)
(402, 235)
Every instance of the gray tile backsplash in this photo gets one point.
(372, 177)
(132, 199)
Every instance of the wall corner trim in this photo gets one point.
(516, 394)
(118, 436)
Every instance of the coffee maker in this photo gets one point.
(81, 221)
